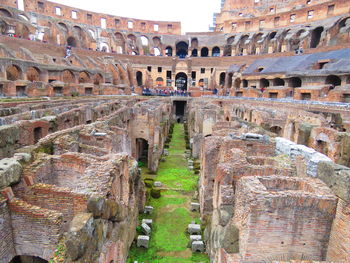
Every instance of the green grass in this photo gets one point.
(171, 215)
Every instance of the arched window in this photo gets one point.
(216, 52)
(181, 49)
(333, 80)
(204, 52)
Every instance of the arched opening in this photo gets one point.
(294, 82)
(201, 83)
(5, 13)
(13, 73)
(169, 51)
(160, 82)
(343, 22)
(228, 47)
(104, 47)
(84, 77)
(142, 150)
(144, 41)
(37, 134)
(333, 80)
(316, 37)
(245, 83)
(71, 41)
(98, 79)
(277, 130)
(194, 53)
(204, 52)
(68, 76)
(194, 43)
(216, 52)
(28, 259)
(156, 51)
(222, 78)
(278, 82)
(156, 42)
(264, 83)
(33, 74)
(181, 49)
(63, 26)
(181, 81)
(139, 78)
(272, 35)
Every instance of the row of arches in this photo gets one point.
(34, 74)
(293, 82)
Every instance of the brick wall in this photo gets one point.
(7, 250)
(35, 230)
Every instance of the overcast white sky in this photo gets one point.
(194, 15)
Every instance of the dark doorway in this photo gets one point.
(181, 49)
(180, 108)
(194, 53)
(169, 51)
(21, 91)
(204, 52)
(222, 78)
(37, 134)
(278, 82)
(333, 80)
(71, 42)
(295, 82)
(316, 37)
(28, 259)
(216, 52)
(57, 91)
(181, 81)
(142, 150)
(88, 91)
(139, 78)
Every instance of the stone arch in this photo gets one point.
(276, 129)
(194, 53)
(78, 30)
(216, 52)
(160, 81)
(63, 26)
(156, 51)
(333, 80)
(157, 42)
(98, 79)
(33, 74)
(68, 76)
(104, 47)
(342, 23)
(84, 77)
(295, 82)
(222, 78)
(6, 13)
(181, 81)
(316, 36)
(181, 49)
(169, 51)
(229, 80)
(278, 82)
(264, 83)
(71, 41)
(272, 35)
(144, 41)
(26, 259)
(13, 73)
(139, 78)
(194, 43)
(204, 52)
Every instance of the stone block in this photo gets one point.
(146, 229)
(195, 207)
(148, 222)
(337, 178)
(195, 238)
(142, 241)
(10, 172)
(194, 229)
(198, 246)
(148, 209)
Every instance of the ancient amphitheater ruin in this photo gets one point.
(124, 140)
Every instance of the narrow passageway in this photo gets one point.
(169, 238)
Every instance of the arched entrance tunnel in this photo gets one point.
(28, 259)
(181, 81)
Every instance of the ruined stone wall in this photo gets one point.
(7, 249)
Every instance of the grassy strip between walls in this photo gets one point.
(169, 238)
